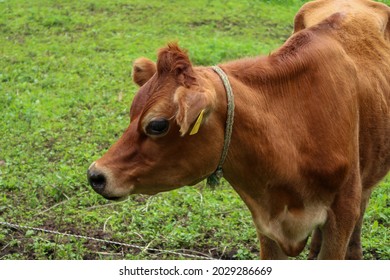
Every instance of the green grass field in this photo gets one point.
(65, 93)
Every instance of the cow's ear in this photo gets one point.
(193, 106)
(143, 70)
(193, 97)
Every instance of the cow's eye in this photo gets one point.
(157, 127)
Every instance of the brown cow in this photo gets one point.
(311, 133)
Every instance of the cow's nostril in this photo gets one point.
(97, 181)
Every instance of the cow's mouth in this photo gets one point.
(116, 198)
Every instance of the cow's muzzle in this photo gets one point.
(101, 180)
(96, 179)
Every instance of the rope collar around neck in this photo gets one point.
(214, 179)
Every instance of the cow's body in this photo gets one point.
(310, 137)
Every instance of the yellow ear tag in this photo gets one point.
(195, 129)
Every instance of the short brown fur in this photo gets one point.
(310, 137)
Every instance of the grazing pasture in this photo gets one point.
(65, 93)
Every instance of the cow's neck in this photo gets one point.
(260, 143)
(261, 150)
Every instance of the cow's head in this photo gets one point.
(161, 150)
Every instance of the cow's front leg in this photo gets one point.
(342, 218)
(270, 250)
(315, 244)
(355, 251)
